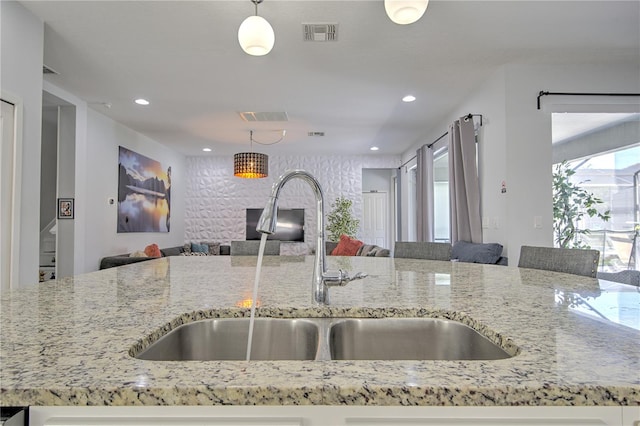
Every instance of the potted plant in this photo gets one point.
(341, 220)
(570, 204)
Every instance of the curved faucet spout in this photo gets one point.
(267, 225)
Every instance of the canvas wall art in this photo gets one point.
(144, 193)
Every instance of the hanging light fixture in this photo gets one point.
(250, 165)
(255, 34)
(405, 12)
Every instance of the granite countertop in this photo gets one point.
(68, 342)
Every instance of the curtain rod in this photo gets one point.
(466, 118)
(543, 93)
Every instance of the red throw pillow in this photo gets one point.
(152, 250)
(347, 246)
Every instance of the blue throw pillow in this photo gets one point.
(199, 248)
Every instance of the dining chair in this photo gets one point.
(571, 261)
(250, 248)
(630, 276)
(422, 250)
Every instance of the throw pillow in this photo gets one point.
(171, 251)
(373, 251)
(366, 249)
(383, 252)
(476, 252)
(347, 246)
(199, 248)
(152, 250)
(214, 248)
(138, 253)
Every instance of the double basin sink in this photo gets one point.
(324, 339)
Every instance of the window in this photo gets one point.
(441, 195)
(412, 226)
(604, 152)
(610, 177)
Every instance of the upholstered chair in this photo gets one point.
(250, 248)
(422, 250)
(571, 261)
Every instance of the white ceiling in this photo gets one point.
(567, 125)
(184, 57)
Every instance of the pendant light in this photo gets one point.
(250, 165)
(405, 12)
(256, 35)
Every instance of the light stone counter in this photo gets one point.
(68, 342)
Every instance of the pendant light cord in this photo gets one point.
(284, 132)
(256, 2)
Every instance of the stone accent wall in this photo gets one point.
(216, 201)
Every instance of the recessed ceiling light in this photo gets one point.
(374, 148)
(409, 98)
(141, 101)
(206, 149)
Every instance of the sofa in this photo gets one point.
(370, 250)
(184, 250)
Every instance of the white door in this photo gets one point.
(375, 218)
(6, 192)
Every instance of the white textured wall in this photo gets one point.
(215, 200)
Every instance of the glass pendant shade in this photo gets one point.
(405, 12)
(250, 165)
(256, 36)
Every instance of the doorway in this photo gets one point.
(48, 192)
(57, 171)
(7, 191)
(378, 217)
(375, 218)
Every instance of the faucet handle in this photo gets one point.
(359, 276)
(340, 277)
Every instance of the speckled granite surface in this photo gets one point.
(68, 342)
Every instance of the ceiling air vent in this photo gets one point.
(252, 116)
(320, 31)
(48, 70)
(315, 134)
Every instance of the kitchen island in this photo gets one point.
(575, 340)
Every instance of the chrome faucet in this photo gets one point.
(322, 279)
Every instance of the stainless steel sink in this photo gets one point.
(409, 339)
(324, 339)
(226, 339)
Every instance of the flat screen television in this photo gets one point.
(290, 225)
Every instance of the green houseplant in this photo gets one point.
(341, 220)
(570, 204)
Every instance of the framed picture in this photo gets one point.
(65, 208)
(144, 193)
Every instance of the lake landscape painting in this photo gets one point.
(144, 193)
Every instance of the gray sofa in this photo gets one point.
(370, 250)
(125, 259)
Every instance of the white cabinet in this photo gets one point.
(333, 416)
(631, 416)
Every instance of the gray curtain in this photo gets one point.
(464, 186)
(424, 194)
(399, 201)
